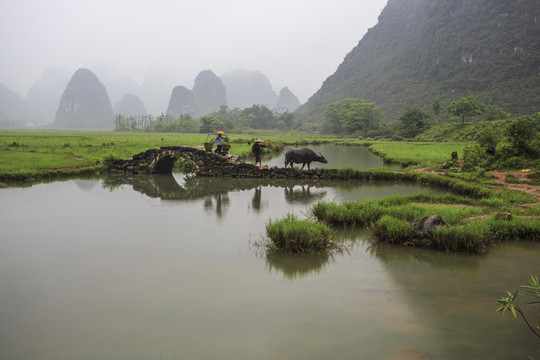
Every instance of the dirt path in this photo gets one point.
(500, 177)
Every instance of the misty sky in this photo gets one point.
(295, 43)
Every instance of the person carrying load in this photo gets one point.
(256, 149)
(219, 141)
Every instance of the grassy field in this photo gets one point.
(35, 152)
(26, 154)
(424, 154)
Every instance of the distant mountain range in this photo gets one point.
(236, 89)
(15, 112)
(422, 50)
(84, 100)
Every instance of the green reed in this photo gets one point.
(292, 235)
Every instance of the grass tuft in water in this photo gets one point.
(291, 235)
(350, 213)
(392, 230)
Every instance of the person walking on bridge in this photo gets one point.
(219, 141)
(256, 149)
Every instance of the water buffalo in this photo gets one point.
(304, 156)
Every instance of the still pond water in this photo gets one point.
(167, 267)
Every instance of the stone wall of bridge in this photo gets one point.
(208, 164)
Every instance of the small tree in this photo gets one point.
(493, 112)
(465, 107)
(413, 121)
(524, 134)
(351, 115)
(436, 107)
(209, 124)
(509, 303)
(260, 117)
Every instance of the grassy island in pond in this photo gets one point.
(291, 235)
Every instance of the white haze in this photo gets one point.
(295, 43)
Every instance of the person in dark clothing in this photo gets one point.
(219, 141)
(490, 150)
(256, 149)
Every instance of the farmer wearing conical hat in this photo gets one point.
(218, 140)
(257, 151)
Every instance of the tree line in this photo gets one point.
(256, 117)
(357, 117)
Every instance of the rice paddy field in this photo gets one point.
(37, 153)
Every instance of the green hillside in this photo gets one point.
(422, 50)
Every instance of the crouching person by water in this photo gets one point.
(219, 141)
(256, 149)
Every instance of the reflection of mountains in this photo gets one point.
(454, 297)
(166, 187)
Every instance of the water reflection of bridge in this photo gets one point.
(165, 186)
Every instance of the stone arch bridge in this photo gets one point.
(205, 163)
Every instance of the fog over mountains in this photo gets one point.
(419, 53)
(60, 100)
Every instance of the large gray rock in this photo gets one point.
(424, 227)
(84, 104)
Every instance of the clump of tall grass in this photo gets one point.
(392, 230)
(516, 228)
(351, 213)
(291, 235)
(472, 238)
(514, 196)
(532, 211)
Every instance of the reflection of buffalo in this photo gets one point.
(303, 194)
(303, 156)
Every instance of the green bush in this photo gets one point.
(516, 228)
(511, 179)
(472, 238)
(185, 166)
(110, 159)
(294, 236)
(392, 230)
(350, 213)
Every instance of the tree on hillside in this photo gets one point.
(493, 112)
(351, 115)
(465, 107)
(524, 134)
(436, 107)
(413, 121)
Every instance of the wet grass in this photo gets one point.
(417, 154)
(472, 223)
(40, 154)
(291, 235)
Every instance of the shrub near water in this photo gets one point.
(291, 235)
(350, 213)
(472, 238)
(392, 230)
